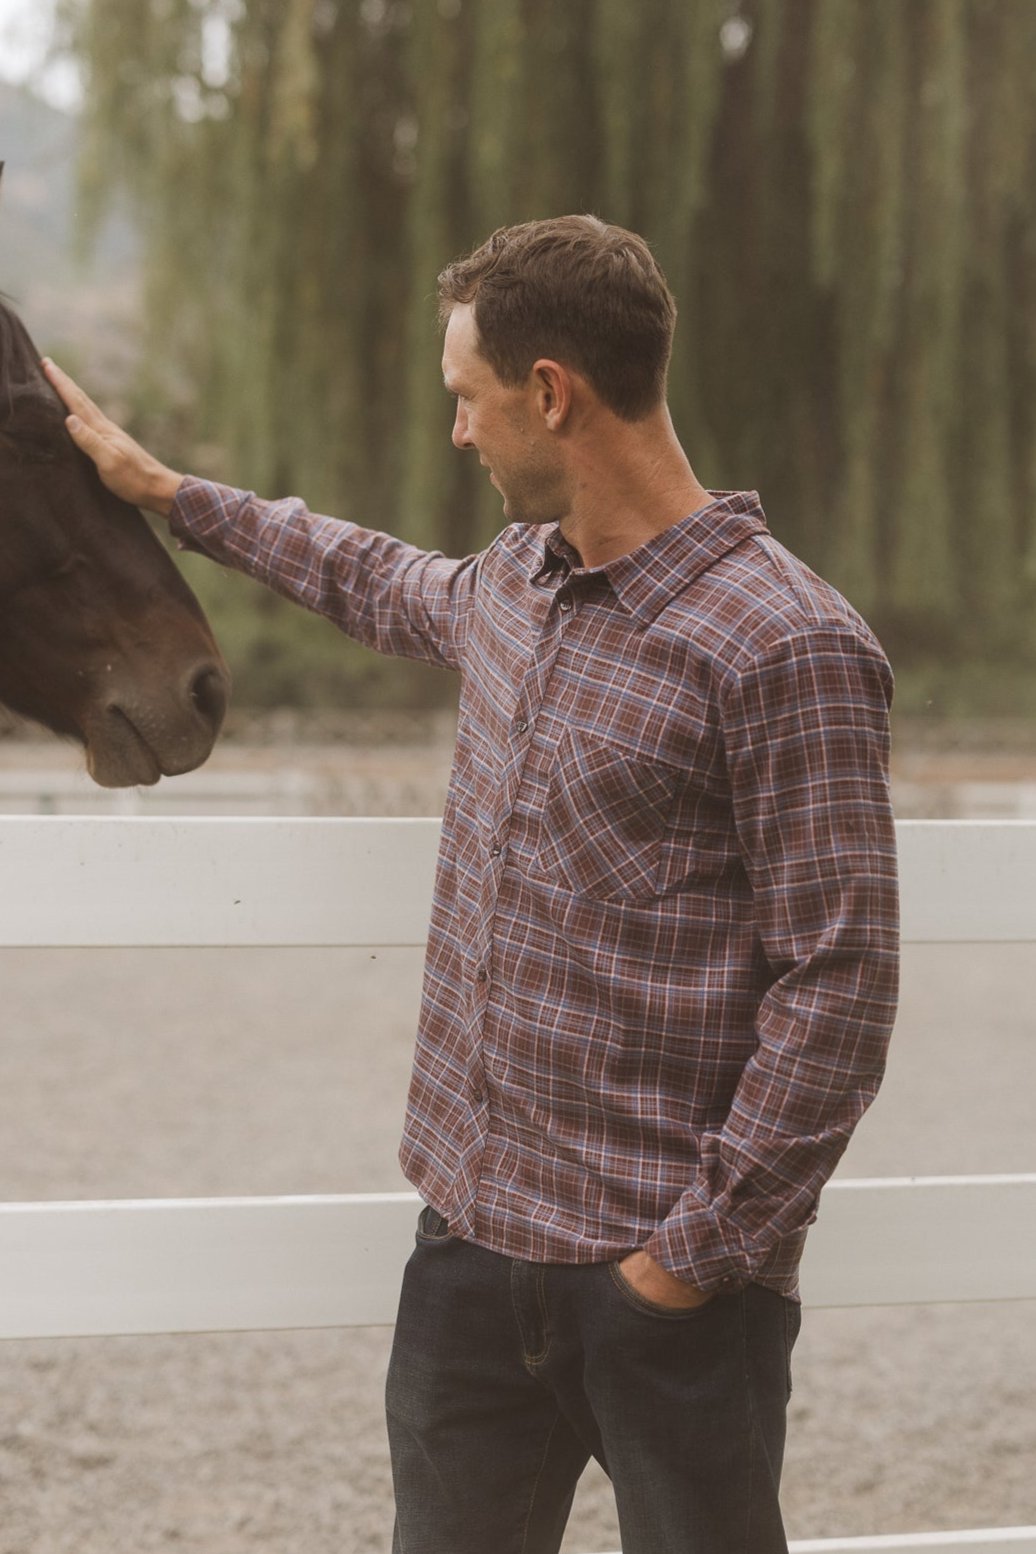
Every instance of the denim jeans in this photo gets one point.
(507, 1376)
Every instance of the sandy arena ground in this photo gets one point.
(161, 1073)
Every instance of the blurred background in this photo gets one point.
(228, 216)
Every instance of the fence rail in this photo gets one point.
(191, 1265)
(168, 880)
(197, 1265)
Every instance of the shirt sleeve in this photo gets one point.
(807, 743)
(389, 595)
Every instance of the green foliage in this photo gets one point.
(841, 192)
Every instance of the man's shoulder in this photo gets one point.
(758, 597)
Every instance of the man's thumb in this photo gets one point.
(81, 434)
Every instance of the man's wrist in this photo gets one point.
(162, 491)
(658, 1285)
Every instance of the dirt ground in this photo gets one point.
(161, 1073)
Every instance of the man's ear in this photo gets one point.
(553, 392)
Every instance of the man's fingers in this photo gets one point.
(79, 403)
(87, 423)
(125, 467)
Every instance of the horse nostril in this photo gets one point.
(208, 692)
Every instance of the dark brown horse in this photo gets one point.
(100, 637)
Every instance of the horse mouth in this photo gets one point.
(123, 758)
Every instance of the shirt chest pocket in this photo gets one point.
(604, 819)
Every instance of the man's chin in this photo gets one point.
(519, 521)
(514, 513)
(521, 517)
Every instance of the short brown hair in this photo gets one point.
(575, 289)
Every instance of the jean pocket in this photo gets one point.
(649, 1308)
(431, 1226)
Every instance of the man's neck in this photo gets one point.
(630, 482)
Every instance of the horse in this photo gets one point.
(101, 639)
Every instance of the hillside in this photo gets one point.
(81, 309)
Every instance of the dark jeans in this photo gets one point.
(506, 1377)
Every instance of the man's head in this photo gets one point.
(575, 290)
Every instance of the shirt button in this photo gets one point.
(521, 725)
(564, 599)
(495, 850)
(481, 974)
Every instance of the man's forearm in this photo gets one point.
(385, 593)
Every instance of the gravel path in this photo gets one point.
(173, 1072)
(161, 1073)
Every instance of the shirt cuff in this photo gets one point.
(201, 514)
(700, 1246)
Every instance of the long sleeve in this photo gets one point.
(806, 735)
(389, 595)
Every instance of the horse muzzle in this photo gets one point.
(137, 736)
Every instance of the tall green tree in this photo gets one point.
(841, 191)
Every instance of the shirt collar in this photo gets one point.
(648, 578)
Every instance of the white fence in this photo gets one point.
(229, 1264)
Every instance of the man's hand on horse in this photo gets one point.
(126, 468)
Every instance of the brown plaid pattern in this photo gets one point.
(661, 974)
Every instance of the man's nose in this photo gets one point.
(460, 429)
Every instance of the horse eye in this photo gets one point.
(39, 450)
(34, 439)
(30, 449)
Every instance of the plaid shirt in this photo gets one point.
(661, 972)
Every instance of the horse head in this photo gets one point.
(100, 637)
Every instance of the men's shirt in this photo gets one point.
(662, 965)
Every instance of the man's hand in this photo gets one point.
(125, 467)
(657, 1285)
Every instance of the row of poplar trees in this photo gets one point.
(842, 193)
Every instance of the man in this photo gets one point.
(662, 965)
